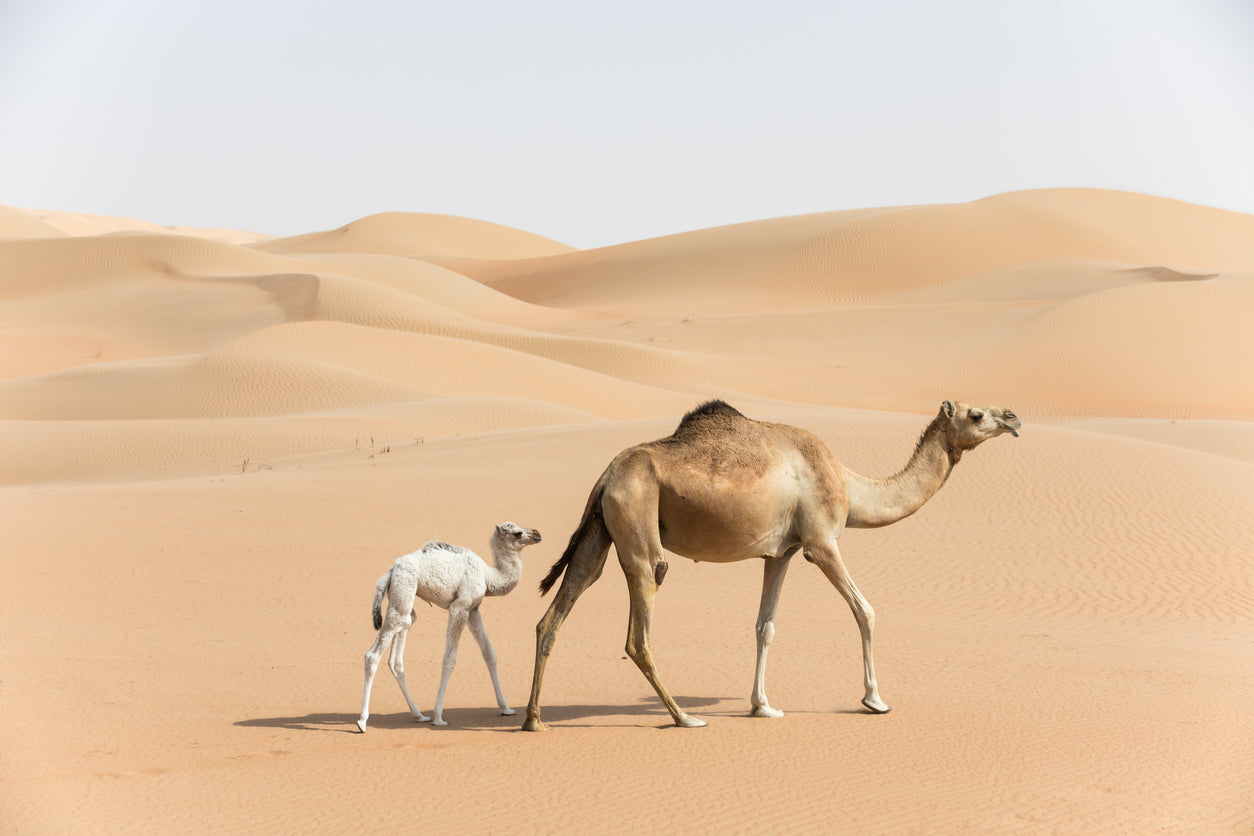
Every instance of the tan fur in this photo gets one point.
(723, 488)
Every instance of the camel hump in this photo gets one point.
(716, 410)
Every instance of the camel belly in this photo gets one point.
(728, 551)
(693, 526)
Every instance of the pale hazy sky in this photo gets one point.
(597, 124)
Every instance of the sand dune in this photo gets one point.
(19, 223)
(215, 441)
(848, 257)
(419, 235)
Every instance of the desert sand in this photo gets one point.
(214, 442)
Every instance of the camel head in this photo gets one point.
(969, 426)
(515, 536)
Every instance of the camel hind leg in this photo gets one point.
(640, 568)
(395, 626)
(586, 563)
(396, 662)
(631, 517)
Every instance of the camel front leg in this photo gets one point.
(772, 582)
(642, 588)
(457, 615)
(489, 657)
(827, 557)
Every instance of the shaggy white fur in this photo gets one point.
(452, 578)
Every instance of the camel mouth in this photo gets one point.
(1010, 423)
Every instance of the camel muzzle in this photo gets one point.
(1011, 422)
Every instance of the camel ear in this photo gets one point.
(949, 409)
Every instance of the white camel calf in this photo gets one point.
(452, 578)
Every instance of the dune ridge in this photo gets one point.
(690, 313)
(215, 441)
(417, 235)
(856, 256)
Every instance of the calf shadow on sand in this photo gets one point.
(491, 719)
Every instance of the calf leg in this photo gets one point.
(489, 657)
(457, 616)
(393, 624)
(396, 661)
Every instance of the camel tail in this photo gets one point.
(591, 533)
(380, 589)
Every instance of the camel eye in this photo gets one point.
(975, 415)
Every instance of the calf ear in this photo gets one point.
(949, 409)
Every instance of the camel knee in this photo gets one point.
(766, 633)
(865, 614)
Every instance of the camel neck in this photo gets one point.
(878, 502)
(503, 576)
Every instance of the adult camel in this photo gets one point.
(724, 487)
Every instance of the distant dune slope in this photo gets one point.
(1063, 303)
(859, 256)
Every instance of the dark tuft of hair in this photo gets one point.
(711, 409)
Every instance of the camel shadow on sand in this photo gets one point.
(489, 718)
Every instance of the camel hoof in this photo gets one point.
(765, 711)
(422, 718)
(508, 712)
(439, 721)
(534, 724)
(361, 726)
(687, 722)
(877, 707)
